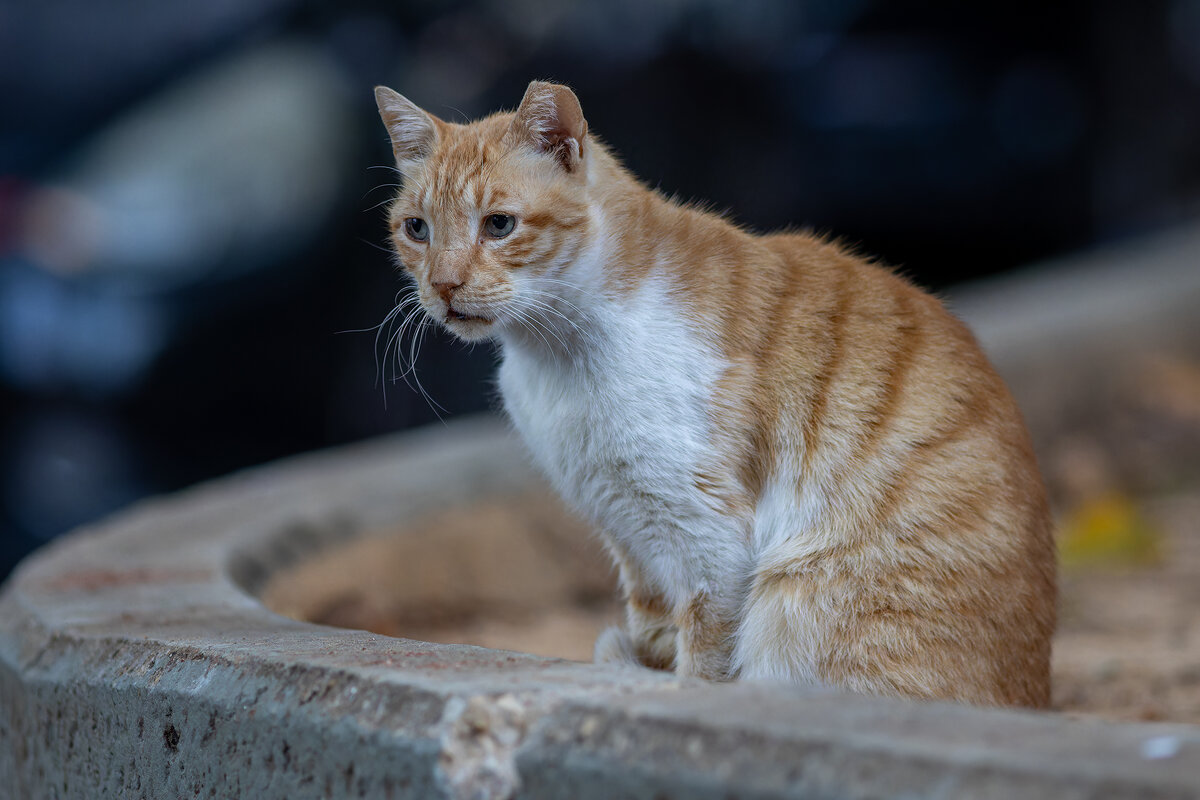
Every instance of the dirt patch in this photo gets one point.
(519, 575)
(1128, 644)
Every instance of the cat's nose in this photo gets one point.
(446, 288)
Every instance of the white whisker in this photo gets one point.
(395, 338)
(532, 299)
(527, 322)
(415, 348)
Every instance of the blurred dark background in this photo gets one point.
(190, 220)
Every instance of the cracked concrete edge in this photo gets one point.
(140, 622)
(129, 721)
(755, 741)
(148, 619)
(134, 662)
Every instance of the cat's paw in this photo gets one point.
(657, 649)
(615, 646)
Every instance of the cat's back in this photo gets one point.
(862, 297)
(856, 339)
(911, 496)
(882, 390)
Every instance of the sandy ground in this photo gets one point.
(526, 576)
(522, 575)
(1128, 643)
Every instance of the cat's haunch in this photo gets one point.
(804, 467)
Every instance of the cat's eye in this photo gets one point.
(417, 229)
(499, 225)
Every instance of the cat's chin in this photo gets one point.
(470, 329)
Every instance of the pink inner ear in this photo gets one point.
(553, 121)
(569, 117)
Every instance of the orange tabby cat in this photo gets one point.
(804, 467)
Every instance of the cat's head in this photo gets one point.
(490, 212)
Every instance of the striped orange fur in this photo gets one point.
(803, 465)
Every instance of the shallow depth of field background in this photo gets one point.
(190, 194)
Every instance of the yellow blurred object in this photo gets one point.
(1109, 530)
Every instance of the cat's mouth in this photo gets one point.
(453, 313)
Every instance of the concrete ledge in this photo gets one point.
(135, 661)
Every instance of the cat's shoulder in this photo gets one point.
(823, 252)
(834, 268)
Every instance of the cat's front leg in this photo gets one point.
(649, 636)
(711, 576)
(705, 642)
(693, 636)
(696, 641)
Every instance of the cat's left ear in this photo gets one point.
(551, 120)
(413, 131)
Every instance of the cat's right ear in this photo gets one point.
(413, 131)
(550, 120)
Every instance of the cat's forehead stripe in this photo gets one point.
(460, 170)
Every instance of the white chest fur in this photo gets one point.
(621, 429)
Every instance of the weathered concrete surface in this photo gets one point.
(136, 662)
(758, 742)
(133, 663)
